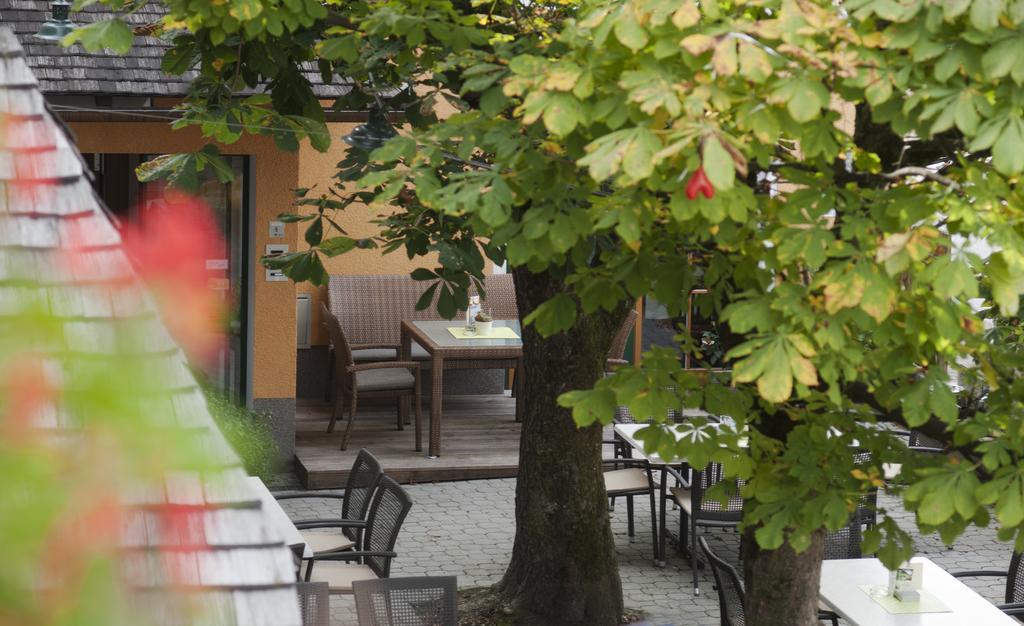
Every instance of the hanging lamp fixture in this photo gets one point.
(58, 25)
(374, 133)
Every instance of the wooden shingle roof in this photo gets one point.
(74, 71)
(223, 553)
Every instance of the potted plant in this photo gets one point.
(484, 323)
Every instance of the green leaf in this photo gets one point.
(936, 507)
(1007, 283)
(1004, 57)
(113, 34)
(422, 273)
(554, 316)
(953, 9)
(590, 406)
(804, 98)
(446, 306)
(718, 164)
(562, 114)
(315, 232)
(427, 296)
(628, 30)
(181, 57)
(985, 13)
(1008, 150)
(1010, 507)
(345, 48)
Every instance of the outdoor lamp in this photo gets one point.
(58, 26)
(373, 133)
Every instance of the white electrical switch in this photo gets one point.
(276, 249)
(276, 229)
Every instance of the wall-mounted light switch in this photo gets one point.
(276, 229)
(276, 249)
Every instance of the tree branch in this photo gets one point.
(924, 172)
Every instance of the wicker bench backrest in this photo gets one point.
(371, 308)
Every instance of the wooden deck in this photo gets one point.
(479, 439)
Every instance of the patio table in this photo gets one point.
(840, 591)
(447, 351)
(279, 520)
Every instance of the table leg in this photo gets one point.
(436, 390)
(662, 529)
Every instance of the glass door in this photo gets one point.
(227, 271)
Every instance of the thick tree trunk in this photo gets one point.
(781, 585)
(564, 568)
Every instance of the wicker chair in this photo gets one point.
(628, 478)
(867, 509)
(315, 603)
(373, 559)
(343, 532)
(697, 511)
(1014, 598)
(414, 601)
(730, 588)
(399, 379)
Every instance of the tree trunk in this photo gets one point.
(781, 585)
(564, 569)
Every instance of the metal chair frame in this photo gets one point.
(360, 487)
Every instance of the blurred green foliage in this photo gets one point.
(249, 433)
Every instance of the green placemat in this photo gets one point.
(498, 332)
(927, 604)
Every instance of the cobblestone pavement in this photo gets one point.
(466, 528)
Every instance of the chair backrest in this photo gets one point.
(730, 588)
(618, 349)
(342, 352)
(415, 601)
(1014, 580)
(867, 508)
(362, 482)
(844, 543)
(387, 512)
(919, 442)
(371, 308)
(712, 510)
(315, 603)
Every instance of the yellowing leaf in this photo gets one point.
(724, 60)
(754, 62)
(697, 44)
(844, 293)
(686, 15)
(776, 383)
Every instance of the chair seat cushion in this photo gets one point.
(682, 498)
(391, 379)
(623, 480)
(339, 575)
(326, 540)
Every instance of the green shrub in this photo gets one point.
(248, 432)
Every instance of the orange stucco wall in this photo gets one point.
(316, 168)
(276, 174)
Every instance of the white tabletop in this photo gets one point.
(839, 590)
(278, 518)
(628, 433)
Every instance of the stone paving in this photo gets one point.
(466, 529)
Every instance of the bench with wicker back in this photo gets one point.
(371, 309)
